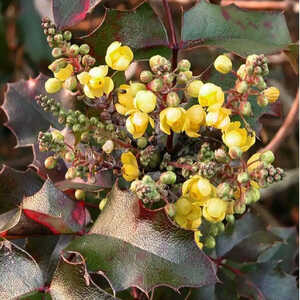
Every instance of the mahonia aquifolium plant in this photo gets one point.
(203, 183)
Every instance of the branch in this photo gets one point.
(171, 24)
(286, 127)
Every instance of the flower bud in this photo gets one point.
(248, 197)
(262, 101)
(184, 77)
(53, 85)
(224, 190)
(245, 108)
(88, 60)
(79, 195)
(170, 210)
(223, 64)
(242, 72)
(213, 230)
(221, 156)
(56, 52)
(241, 87)
(145, 101)
(173, 99)
(267, 157)
(69, 156)
(272, 94)
(50, 162)
(184, 65)
(255, 194)
(193, 88)
(243, 177)
(221, 227)
(71, 174)
(210, 242)
(260, 83)
(146, 76)
(67, 35)
(257, 70)
(70, 83)
(74, 50)
(230, 219)
(155, 61)
(108, 146)
(235, 152)
(84, 49)
(58, 37)
(156, 85)
(168, 177)
(252, 59)
(142, 142)
(102, 203)
(57, 136)
(240, 209)
(168, 79)
(57, 65)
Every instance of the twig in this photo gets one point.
(286, 127)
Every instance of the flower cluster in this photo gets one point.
(176, 140)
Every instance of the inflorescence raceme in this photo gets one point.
(130, 129)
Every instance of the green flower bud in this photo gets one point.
(50, 162)
(58, 37)
(170, 210)
(84, 137)
(88, 60)
(102, 203)
(146, 76)
(51, 31)
(221, 155)
(184, 65)
(262, 101)
(148, 180)
(84, 49)
(241, 87)
(110, 127)
(230, 219)
(184, 77)
(173, 99)
(57, 136)
(108, 146)
(168, 79)
(56, 52)
(248, 197)
(243, 177)
(261, 85)
(240, 209)
(267, 157)
(252, 59)
(79, 194)
(71, 174)
(142, 142)
(255, 194)
(245, 108)
(224, 190)
(76, 128)
(69, 156)
(213, 230)
(74, 50)
(168, 177)
(94, 121)
(235, 152)
(156, 85)
(70, 83)
(221, 227)
(257, 70)
(67, 35)
(210, 242)
(242, 72)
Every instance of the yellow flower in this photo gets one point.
(193, 88)
(130, 169)
(197, 236)
(254, 161)
(187, 215)
(145, 101)
(118, 57)
(172, 118)
(126, 95)
(223, 64)
(215, 210)
(194, 119)
(53, 85)
(95, 82)
(211, 95)
(137, 123)
(272, 94)
(199, 189)
(234, 136)
(218, 117)
(64, 73)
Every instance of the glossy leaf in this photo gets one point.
(138, 29)
(19, 274)
(25, 117)
(231, 28)
(152, 250)
(72, 281)
(70, 12)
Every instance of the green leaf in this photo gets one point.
(72, 281)
(240, 31)
(15, 185)
(293, 54)
(138, 29)
(70, 12)
(19, 274)
(152, 250)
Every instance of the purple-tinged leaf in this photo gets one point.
(231, 28)
(72, 281)
(153, 251)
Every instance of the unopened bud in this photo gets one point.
(245, 108)
(224, 190)
(84, 49)
(146, 76)
(267, 157)
(168, 79)
(262, 101)
(210, 242)
(242, 72)
(230, 219)
(168, 177)
(223, 64)
(193, 88)
(220, 155)
(53, 85)
(69, 156)
(184, 65)
(79, 194)
(50, 162)
(102, 203)
(156, 85)
(142, 142)
(70, 83)
(67, 35)
(241, 87)
(235, 152)
(108, 146)
(221, 227)
(260, 83)
(57, 136)
(243, 177)
(88, 60)
(184, 77)
(173, 99)
(58, 37)
(252, 59)
(74, 50)
(71, 174)
(240, 209)
(170, 209)
(56, 52)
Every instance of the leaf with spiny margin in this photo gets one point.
(236, 30)
(26, 118)
(70, 12)
(20, 274)
(140, 29)
(153, 251)
(15, 185)
(72, 281)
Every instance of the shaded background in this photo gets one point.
(24, 53)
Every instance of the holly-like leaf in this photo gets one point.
(70, 12)
(20, 274)
(231, 28)
(153, 251)
(72, 281)
(15, 185)
(138, 29)
(25, 116)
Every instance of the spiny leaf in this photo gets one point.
(231, 28)
(72, 281)
(19, 274)
(152, 250)
(138, 29)
(15, 185)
